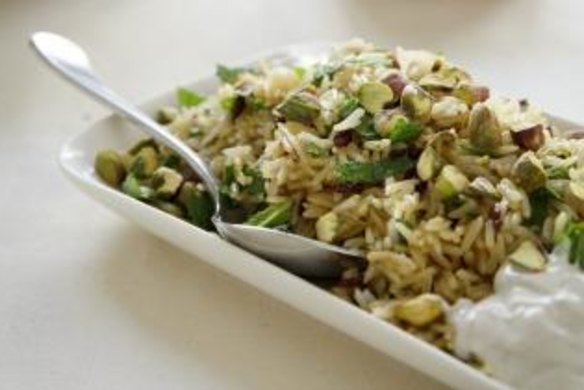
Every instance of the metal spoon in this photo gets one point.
(293, 252)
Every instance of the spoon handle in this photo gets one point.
(70, 61)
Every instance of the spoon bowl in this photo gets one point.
(295, 253)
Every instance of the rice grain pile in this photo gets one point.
(398, 153)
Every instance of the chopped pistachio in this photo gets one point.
(132, 186)
(109, 165)
(420, 311)
(326, 227)
(166, 182)
(166, 115)
(438, 81)
(396, 126)
(301, 107)
(428, 164)
(145, 162)
(373, 96)
(416, 103)
(528, 172)
(451, 181)
(278, 214)
(449, 112)
(471, 94)
(145, 142)
(444, 143)
(170, 208)
(574, 197)
(484, 129)
(396, 82)
(528, 256)
(531, 138)
(483, 187)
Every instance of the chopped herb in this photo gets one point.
(188, 98)
(233, 105)
(347, 107)
(575, 232)
(539, 201)
(366, 129)
(229, 75)
(255, 103)
(299, 72)
(278, 214)
(372, 173)
(558, 173)
(171, 161)
(256, 188)
(200, 209)
(405, 131)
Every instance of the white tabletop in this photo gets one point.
(89, 301)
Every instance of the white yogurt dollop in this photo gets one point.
(530, 332)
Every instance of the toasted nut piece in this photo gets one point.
(528, 172)
(326, 227)
(420, 311)
(449, 112)
(484, 129)
(471, 94)
(301, 107)
(132, 186)
(166, 182)
(451, 181)
(483, 187)
(171, 209)
(428, 164)
(373, 96)
(396, 82)
(574, 197)
(531, 138)
(416, 103)
(166, 115)
(444, 143)
(145, 162)
(109, 165)
(529, 257)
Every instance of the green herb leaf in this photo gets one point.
(188, 98)
(256, 188)
(372, 173)
(233, 105)
(229, 75)
(299, 72)
(405, 131)
(275, 215)
(366, 129)
(200, 209)
(171, 161)
(539, 201)
(347, 107)
(575, 233)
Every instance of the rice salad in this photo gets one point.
(397, 153)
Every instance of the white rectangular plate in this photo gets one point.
(76, 159)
